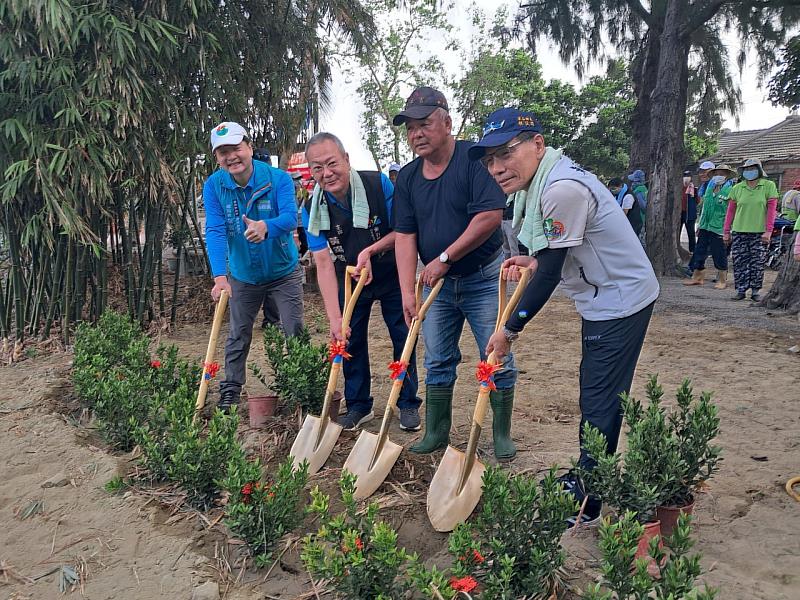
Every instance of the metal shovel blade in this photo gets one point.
(306, 448)
(447, 507)
(371, 474)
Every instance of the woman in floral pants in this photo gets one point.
(752, 204)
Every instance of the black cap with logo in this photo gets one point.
(422, 102)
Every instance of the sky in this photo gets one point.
(343, 120)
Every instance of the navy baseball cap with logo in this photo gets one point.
(502, 126)
(422, 102)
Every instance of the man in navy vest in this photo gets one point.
(251, 216)
(348, 223)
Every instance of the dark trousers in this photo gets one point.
(356, 370)
(245, 303)
(689, 230)
(610, 351)
(749, 253)
(711, 243)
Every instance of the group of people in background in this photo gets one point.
(464, 212)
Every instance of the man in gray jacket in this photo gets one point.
(588, 246)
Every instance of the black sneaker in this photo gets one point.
(409, 419)
(574, 486)
(355, 419)
(755, 296)
(227, 400)
(738, 296)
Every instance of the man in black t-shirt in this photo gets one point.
(447, 211)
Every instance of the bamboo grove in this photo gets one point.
(105, 109)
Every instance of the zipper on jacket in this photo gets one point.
(583, 276)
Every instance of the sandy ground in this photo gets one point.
(131, 546)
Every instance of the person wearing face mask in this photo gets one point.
(748, 227)
(710, 226)
(688, 209)
(581, 241)
(348, 220)
(251, 217)
(627, 202)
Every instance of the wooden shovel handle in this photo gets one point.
(219, 314)
(350, 299)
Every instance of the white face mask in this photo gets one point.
(686, 180)
(718, 179)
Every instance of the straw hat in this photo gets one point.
(725, 170)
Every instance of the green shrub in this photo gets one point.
(357, 554)
(625, 577)
(300, 369)
(258, 511)
(512, 548)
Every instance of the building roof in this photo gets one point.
(780, 142)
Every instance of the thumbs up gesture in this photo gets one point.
(256, 230)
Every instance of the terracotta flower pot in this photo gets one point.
(668, 515)
(336, 402)
(260, 408)
(651, 530)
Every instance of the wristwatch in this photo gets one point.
(511, 336)
(444, 257)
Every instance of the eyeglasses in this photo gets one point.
(502, 154)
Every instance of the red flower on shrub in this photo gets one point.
(398, 369)
(465, 584)
(485, 374)
(359, 543)
(211, 370)
(477, 556)
(337, 349)
(156, 364)
(247, 490)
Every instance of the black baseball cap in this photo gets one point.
(502, 126)
(422, 102)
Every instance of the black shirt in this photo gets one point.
(439, 210)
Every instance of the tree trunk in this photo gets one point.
(785, 292)
(644, 75)
(666, 135)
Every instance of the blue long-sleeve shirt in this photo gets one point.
(269, 197)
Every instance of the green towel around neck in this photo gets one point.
(319, 218)
(528, 204)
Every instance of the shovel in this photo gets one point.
(219, 314)
(318, 435)
(373, 456)
(456, 486)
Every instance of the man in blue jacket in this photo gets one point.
(251, 216)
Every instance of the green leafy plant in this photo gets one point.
(355, 552)
(115, 485)
(625, 577)
(694, 425)
(638, 480)
(512, 548)
(300, 369)
(259, 511)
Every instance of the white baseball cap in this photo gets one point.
(706, 165)
(227, 133)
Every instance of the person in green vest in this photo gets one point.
(639, 190)
(752, 204)
(790, 205)
(710, 228)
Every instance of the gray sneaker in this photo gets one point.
(355, 419)
(409, 419)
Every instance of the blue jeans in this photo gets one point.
(472, 297)
(356, 370)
